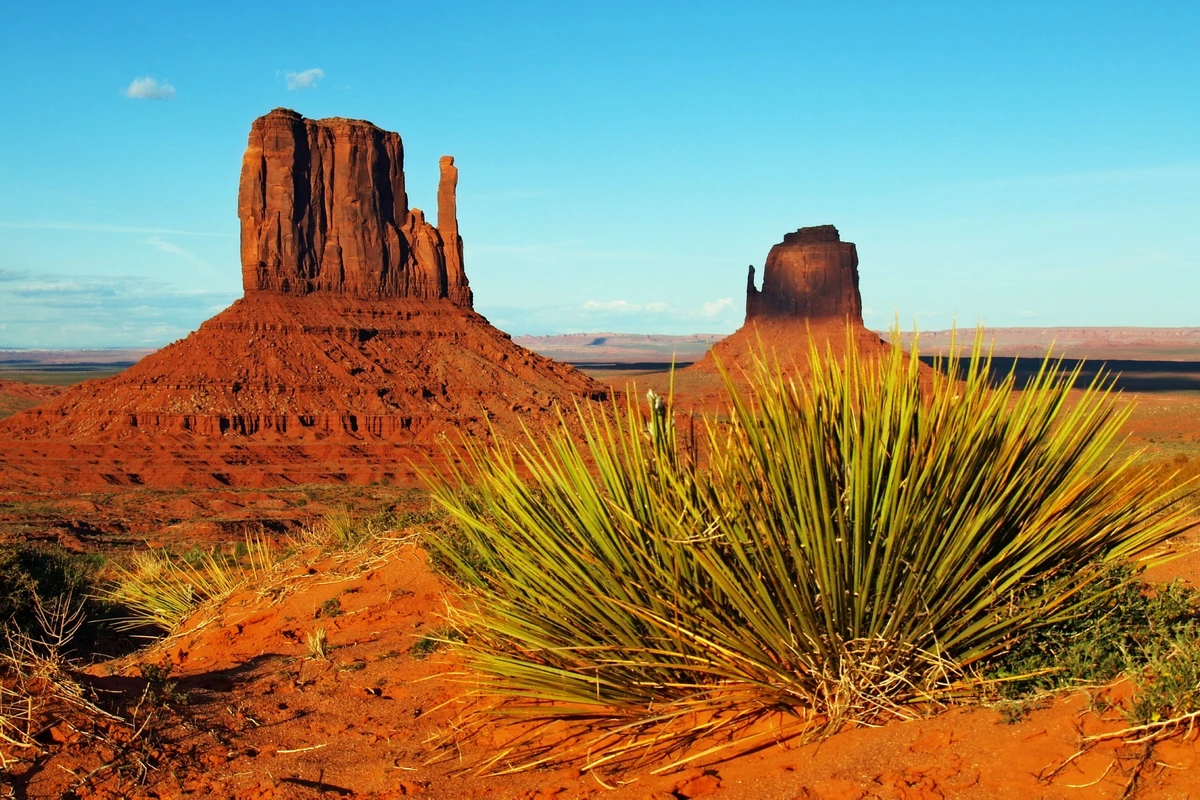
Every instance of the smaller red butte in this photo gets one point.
(810, 293)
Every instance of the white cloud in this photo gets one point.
(304, 80)
(1026, 314)
(148, 88)
(175, 250)
(716, 307)
(106, 311)
(624, 306)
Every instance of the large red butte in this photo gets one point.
(356, 326)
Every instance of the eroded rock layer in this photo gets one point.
(306, 368)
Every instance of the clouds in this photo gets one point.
(164, 246)
(303, 80)
(716, 307)
(625, 307)
(148, 88)
(91, 311)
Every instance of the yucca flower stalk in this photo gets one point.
(855, 540)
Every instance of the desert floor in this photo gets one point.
(235, 707)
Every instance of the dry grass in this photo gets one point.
(38, 689)
(164, 589)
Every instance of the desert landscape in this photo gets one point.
(579, 525)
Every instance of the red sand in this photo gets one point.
(262, 719)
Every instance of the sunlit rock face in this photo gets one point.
(812, 274)
(809, 297)
(324, 209)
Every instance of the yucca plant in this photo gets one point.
(853, 540)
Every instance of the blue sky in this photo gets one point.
(621, 163)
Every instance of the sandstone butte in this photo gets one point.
(356, 323)
(809, 295)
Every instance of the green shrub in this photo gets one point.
(35, 573)
(856, 540)
(1169, 685)
(1120, 628)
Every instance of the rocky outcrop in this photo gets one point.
(323, 208)
(281, 367)
(809, 293)
(356, 325)
(811, 274)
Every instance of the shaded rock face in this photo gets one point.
(809, 296)
(812, 274)
(324, 209)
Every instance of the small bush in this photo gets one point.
(1120, 627)
(1170, 684)
(34, 573)
(858, 540)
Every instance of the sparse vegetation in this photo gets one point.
(1121, 626)
(1151, 635)
(330, 608)
(318, 643)
(856, 541)
(430, 643)
(34, 575)
(39, 686)
(162, 589)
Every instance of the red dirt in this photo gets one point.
(16, 396)
(29, 391)
(263, 719)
